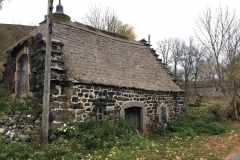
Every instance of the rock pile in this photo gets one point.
(19, 126)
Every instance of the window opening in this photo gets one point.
(100, 113)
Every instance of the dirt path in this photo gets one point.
(233, 154)
(233, 140)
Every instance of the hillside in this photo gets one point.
(9, 35)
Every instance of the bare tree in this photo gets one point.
(176, 53)
(187, 62)
(198, 55)
(101, 19)
(212, 31)
(232, 48)
(106, 19)
(1, 3)
(164, 49)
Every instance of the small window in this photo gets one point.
(100, 113)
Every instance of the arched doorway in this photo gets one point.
(134, 114)
(136, 110)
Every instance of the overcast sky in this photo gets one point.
(159, 18)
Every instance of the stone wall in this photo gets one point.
(8, 74)
(207, 91)
(80, 101)
(37, 51)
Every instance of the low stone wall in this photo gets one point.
(19, 126)
(208, 91)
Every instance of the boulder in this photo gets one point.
(27, 131)
(24, 138)
(2, 130)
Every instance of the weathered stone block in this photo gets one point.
(54, 105)
(70, 91)
(77, 106)
(80, 94)
(122, 99)
(84, 100)
(105, 92)
(74, 99)
(65, 105)
(81, 111)
(62, 115)
(110, 100)
(85, 91)
(91, 96)
(24, 138)
(79, 118)
(91, 114)
(111, 93)
(86, 95)
(88, 109)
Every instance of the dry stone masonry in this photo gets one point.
(80, 101)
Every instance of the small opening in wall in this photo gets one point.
(54, 47)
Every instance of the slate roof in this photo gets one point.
(99, 57)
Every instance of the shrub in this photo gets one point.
(215, 110)
(214, 128)
(232, 110)
(13, 150)
(198, 121)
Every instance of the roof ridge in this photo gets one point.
(129, 41)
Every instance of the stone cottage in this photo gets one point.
(94, 74)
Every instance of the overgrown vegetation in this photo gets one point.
(199, 121)
(95, 135)
(4, 108)
(25, 105)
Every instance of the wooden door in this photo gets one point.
(134, 114)
(23, 87)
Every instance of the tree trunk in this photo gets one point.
(235, 107)
(175, 70)
(226, 105)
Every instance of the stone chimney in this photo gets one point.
(149, 39)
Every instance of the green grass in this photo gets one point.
(207, 104)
